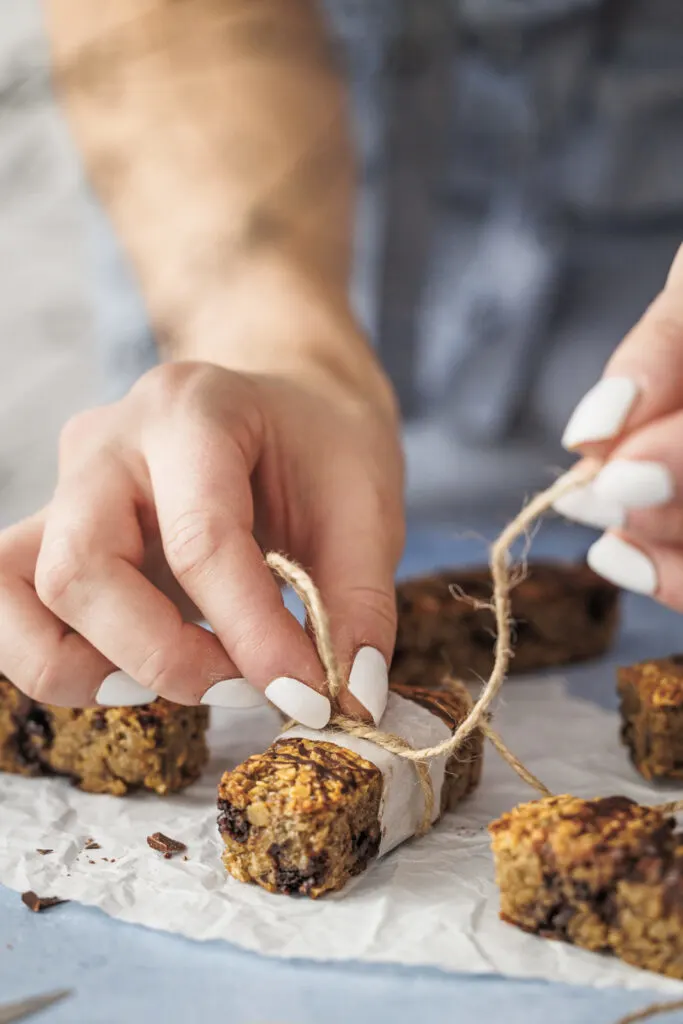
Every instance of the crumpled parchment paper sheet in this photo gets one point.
(431, 902)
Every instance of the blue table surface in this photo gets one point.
(124, 974)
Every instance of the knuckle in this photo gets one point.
(43, 680)
(60, 571)
(192, 542)
(159, 670)
(374, 604)
(78, 430)
(253, 636)
(666, 324)
(166, 386)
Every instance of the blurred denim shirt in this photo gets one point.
(521, 200)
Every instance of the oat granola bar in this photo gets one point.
(304, 817)
(159, 747)
(652, 716)
(606, 875)
(562, 613)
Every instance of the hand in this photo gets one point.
(175, 492)
(632, 420)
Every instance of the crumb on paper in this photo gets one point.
(37, 903)
(90, 844)
(44, 853)
(164, 844)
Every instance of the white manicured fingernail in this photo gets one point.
(233, 693)
(623, 564)
(601, 413)
(369, 681)
(583, 505)
(635, 484)
(300, 702)
(119, 690)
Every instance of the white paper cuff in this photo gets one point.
(402, 806)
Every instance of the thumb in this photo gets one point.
(643, 380)
(354, 565)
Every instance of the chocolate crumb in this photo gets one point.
(90, 844)
(38, 903)
(91, 862)
(166, 845)
(44, 853)
(186, 857)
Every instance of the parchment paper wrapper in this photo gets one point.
(433, 901)
(402, 806)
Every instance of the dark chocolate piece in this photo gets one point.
(164, 844)
(38, 903)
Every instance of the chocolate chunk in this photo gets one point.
(365, 846)
(44, 853)
(39, 727)
(290, 880)
(38, 903)
(164, 844)
(233, 822)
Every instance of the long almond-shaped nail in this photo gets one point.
(119, 690)
(635, 484)
(369, 681)
(583, 505)
(623, 564)
(233, 693)
(300, 702)
(601, 413)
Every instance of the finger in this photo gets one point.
(202, 490)
(643, 380)
(354, 566)
(641, 566)
(38, 653)
(88, 575)
(639, 488)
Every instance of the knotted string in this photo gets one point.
(478, 715)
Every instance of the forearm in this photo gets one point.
(216, 134)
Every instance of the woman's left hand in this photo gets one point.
(632, 422)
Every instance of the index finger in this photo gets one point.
(643, 380)
(201, 481)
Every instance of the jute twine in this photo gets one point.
(479, 714)
(654, 1010)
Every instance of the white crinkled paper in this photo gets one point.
(432, 902)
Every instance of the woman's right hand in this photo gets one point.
(177, 490)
